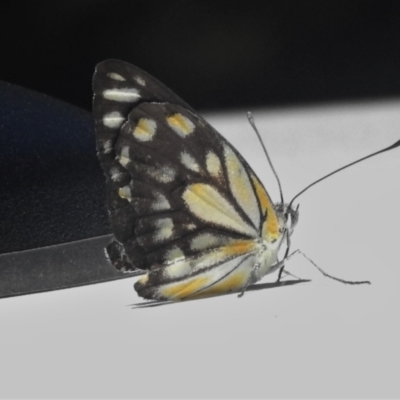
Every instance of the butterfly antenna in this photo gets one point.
(253, 125)
(393, 146)
(325, 273)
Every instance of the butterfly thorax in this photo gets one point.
(276, 227)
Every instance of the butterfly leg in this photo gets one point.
(251, 279)
(279, 265)
(253, 276)
(290, 274)
(286, 258)
(280, 273)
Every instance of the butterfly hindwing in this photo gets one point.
(182, 201)
(208, 274)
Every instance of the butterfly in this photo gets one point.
(184, 205)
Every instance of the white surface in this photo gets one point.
(321, 339)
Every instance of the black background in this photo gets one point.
(213, 54)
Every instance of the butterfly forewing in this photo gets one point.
(183, 203)
(119, 87)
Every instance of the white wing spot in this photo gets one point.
(123, 158)
(125, 193)
(160, 203)
(213, 165)
(164, 228)
(206, 241)
(125, 95)
(116, 77)
(190, 227)
(107, 146)
(139, 80)
(182, 125)
(113, 119)
(145, 129)
(162, 175)
(174, 254)
(115, 174)
(189, 162)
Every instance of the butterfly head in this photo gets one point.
(288, 217)
(279, 223)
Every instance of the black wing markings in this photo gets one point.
(125, 217)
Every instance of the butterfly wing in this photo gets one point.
(182, 200)
(118, 87)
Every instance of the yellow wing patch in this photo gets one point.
(222, 270)
(125, 193)
(181, 267)
(183, 289)
(270, 229)
(180, 124)
(225, 278)
(232, 283)
(239, 247)
(144, 130)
